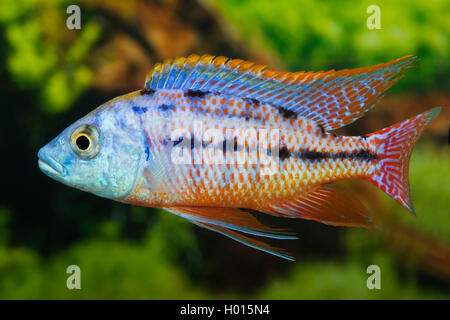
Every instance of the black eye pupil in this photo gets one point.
(83, 143)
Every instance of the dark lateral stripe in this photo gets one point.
(322, 130)
(362, 154)
(287, 113)
(283, 111)
(165, 107)
(144, 92)
(195, 93)
(139, 110)
(203, 144)
(253, 101)
(284, 153)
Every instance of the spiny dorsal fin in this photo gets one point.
(333, 98)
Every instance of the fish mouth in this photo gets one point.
(50, 166)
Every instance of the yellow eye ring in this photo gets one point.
(85, 142)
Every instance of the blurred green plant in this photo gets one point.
(429, 171)
(47, 62)
(110, 267)
(345, 280)
(319, 35)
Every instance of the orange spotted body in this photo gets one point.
(310, 156)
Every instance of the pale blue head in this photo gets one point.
(100, 153)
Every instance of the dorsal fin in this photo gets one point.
(333, 98)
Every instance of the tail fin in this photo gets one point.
(393, 146)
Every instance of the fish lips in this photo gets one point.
(50, 166)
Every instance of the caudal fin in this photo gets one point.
(393, 146)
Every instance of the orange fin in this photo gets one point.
(332, 99)
(331, 204)
(394, 146)
(254, 243)
(231, 218)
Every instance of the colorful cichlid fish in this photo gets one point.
(157, 147)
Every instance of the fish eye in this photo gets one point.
(85, 142)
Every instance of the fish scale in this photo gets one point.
(128, 156)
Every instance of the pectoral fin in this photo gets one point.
(231, 218)
(254, 243)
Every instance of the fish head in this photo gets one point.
(100, 153)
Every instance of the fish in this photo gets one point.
(186, 143)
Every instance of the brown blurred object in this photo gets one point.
(137, 34)
(430, 254)
(396, 108)
(404, 106)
